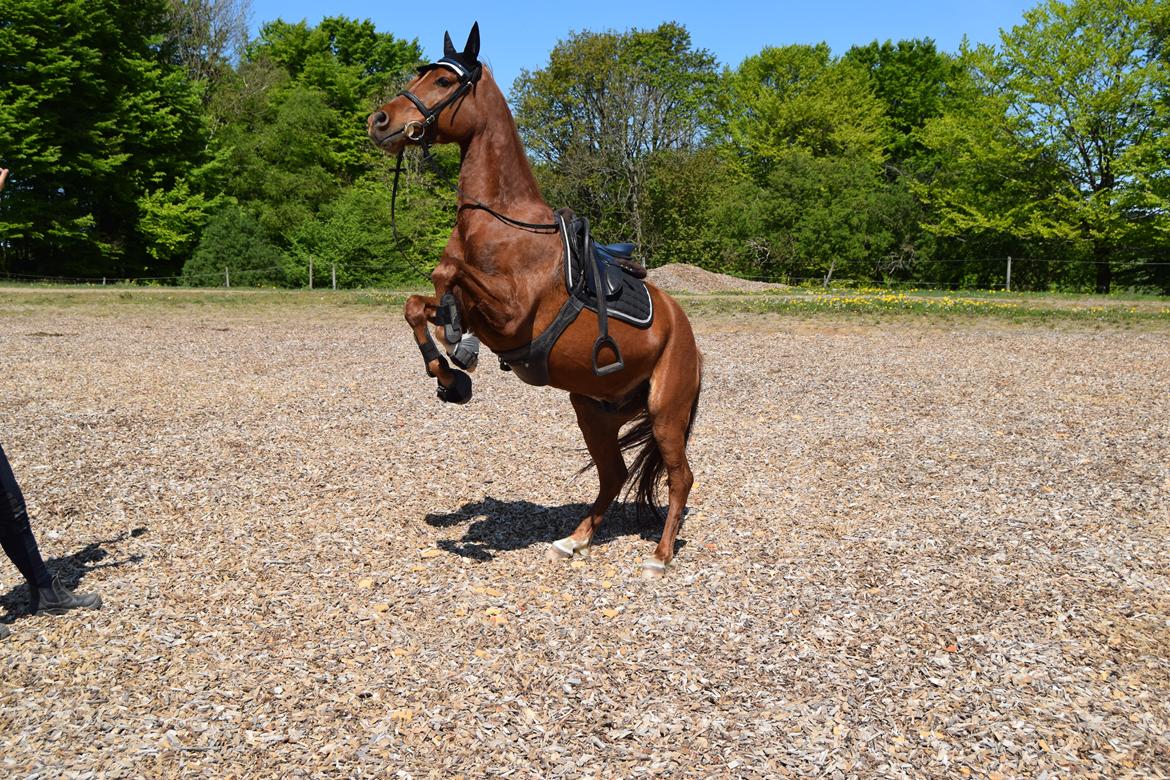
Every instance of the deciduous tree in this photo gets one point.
(600, 111)
(1061, 137)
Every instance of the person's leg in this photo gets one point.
(16, 537)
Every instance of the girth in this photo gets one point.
(588, 268)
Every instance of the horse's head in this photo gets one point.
(438, 106)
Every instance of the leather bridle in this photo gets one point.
(417, 132)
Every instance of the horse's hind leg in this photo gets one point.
(600, 429)
(674, 395)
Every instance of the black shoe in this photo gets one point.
(57, 599)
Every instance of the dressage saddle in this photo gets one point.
(589, 267)
(614, 261)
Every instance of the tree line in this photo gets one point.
(154, 140)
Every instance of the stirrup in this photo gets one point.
(601, 343)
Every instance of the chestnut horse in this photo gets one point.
(501, 273)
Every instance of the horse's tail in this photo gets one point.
(648, 468)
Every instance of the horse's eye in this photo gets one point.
(443, 81)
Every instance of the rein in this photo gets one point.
(416, 132)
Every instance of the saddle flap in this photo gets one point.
(626, 297)
(611, 277)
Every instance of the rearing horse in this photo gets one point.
(502, 277)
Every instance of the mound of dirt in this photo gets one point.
(683, 277)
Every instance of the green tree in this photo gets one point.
(235, 243)
(283, 160)
(684, 214)
(601, 110)
(352, 234)
(93, 118)
(808, 136)
(799, 98)
(290, 128)
(911, 79)
(350, 64)
(1062, 139)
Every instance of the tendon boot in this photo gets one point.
(57, 599)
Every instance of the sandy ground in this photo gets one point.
(914, 550)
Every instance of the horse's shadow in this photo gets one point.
(502, 526)
(71, 570)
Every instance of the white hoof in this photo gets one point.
(563, 549)
(653, 569)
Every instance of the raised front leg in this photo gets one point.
(454, 385)
(450, 328)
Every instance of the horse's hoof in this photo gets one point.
(564, 549)
(458, 392)
(653, 569)
(557, 554)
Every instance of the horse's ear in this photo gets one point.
(471, 50)
(448, 47)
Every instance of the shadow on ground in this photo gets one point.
(502, 526)
(71, 569)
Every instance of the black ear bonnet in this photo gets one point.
(465, 63)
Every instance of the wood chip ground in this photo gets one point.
(915, 550)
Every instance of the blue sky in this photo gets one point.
(521, 33)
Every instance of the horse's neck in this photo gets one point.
(508, 272)
(495, 170)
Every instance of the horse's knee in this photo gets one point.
(415, 310)
(442, 277)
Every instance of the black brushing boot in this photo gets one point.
(57, 599)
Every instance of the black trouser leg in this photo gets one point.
(16, 536)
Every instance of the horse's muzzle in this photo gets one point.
(412, 131)
(378, 129)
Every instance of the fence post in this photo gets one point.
(1009, 274)
(227, 279)
(333, 274)
(310, 272)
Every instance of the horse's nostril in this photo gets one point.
(380, 120)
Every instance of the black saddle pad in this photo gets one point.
(626, 297)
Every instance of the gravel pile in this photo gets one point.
(912, 552)
(686, 278)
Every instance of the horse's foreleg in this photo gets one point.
(449, 327)
(600, 429)
(454, 385)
